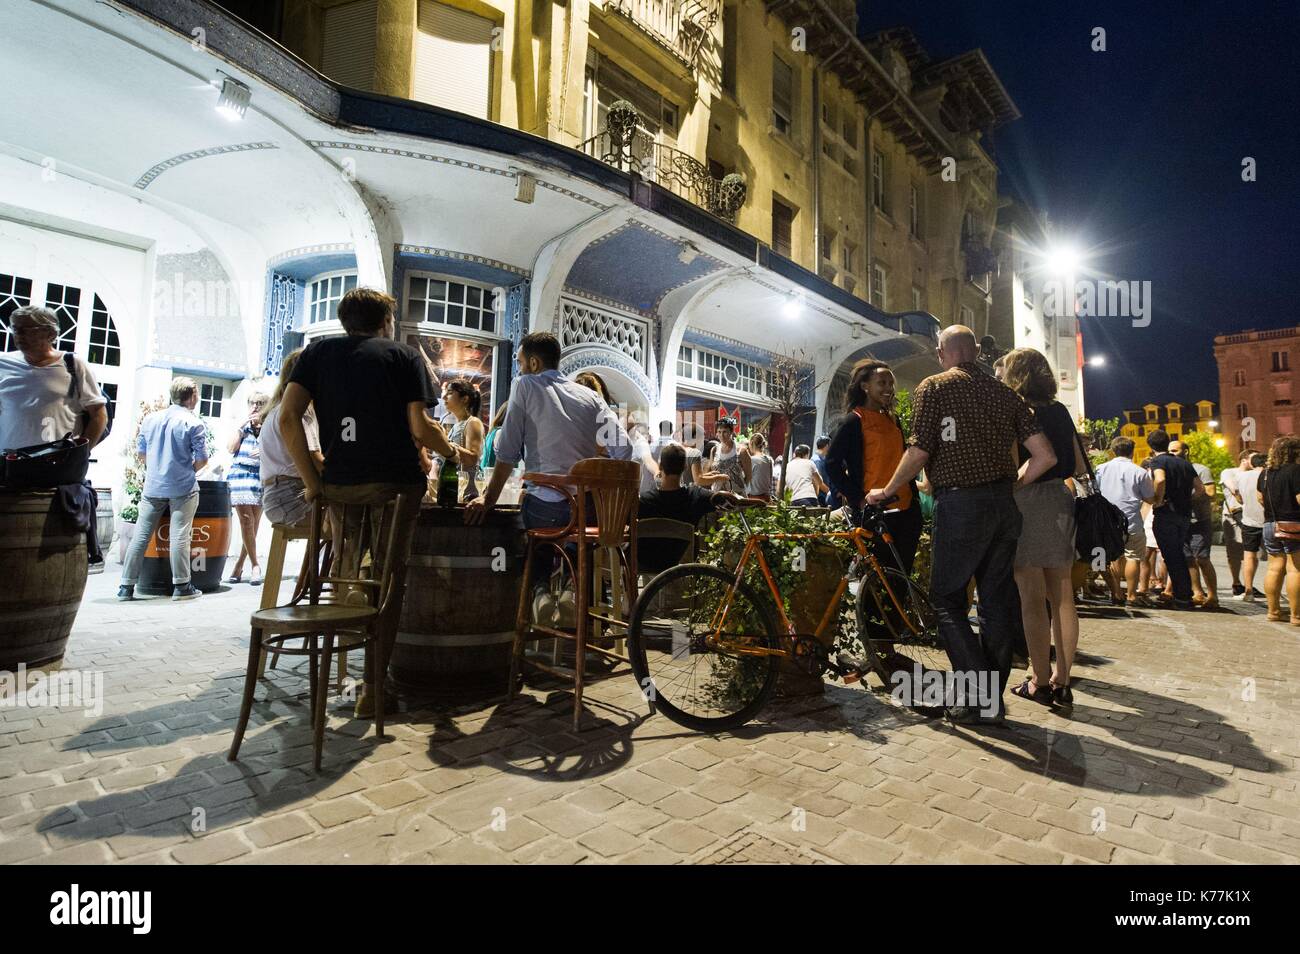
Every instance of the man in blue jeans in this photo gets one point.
(551, 423)
(1175, 483)
(965, 424)
(174, 446)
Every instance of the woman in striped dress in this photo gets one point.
(245, 480)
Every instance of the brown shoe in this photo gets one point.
(1274, 617)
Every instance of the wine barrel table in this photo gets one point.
(211, 537)
(43, 565)
(462, 592)
(104, 518)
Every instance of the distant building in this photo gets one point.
(1256, 382)
(1174, 419)
(1016, 315)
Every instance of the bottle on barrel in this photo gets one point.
(448, 483)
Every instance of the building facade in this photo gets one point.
(679, 191)
(1257, 381)
(1174, 419)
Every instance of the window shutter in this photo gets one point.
(782, 88)
(782, 222)
(453, 59)
(348, 54)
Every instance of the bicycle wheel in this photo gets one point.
(897, 641)
(680, 665)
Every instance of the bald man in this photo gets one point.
(965, 427)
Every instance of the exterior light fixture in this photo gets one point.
(793, 308)
(688, 253)
(525, 187)
(1063, 260)
(235, 97)
(1219, 442)
(1097, 361)
(1213, 424)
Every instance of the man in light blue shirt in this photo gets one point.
(551, 423)
(174, 447)
(1128, 487)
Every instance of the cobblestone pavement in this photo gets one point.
(1181, 747)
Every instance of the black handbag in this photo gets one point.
(46, 465)
(1099, 524)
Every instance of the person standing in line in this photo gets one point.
(823, 446)
(1231, 520)
(965, 424)
(691, 440)
(760, 469)
(1128, 487)
(803, 481)
(1279, 492)
(245, 481)
(1045, 548)
(728, 465)
(1252, 523)
(174, 447)
(1205, 581)
(1175, 483)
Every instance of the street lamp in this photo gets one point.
(1097, 361)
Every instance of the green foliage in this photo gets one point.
(1102, 431)
(1202, 449)
(903, 410)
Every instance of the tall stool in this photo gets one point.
(362, 603)
(612, 487)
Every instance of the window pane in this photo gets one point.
(455, 314)
(437, 312)
(474, 296)
(419, 287)
(456, 292)
(437, 291)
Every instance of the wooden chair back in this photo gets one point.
(614, 487)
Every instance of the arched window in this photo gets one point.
(104, 346)
(324, 292)
(15, 293)
(1241, 411)
(65, 302)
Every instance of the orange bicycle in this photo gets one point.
(705, 644)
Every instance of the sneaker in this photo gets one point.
(1238, 589)
(1256, 593)
(257, 577)
(962, 715)
(1245, 596)
(94, 568)
(125, 593)
(187, 592)
(544, 608)
(566, 610)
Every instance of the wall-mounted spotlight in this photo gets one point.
(235, 97)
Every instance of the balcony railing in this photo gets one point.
(625, 144)
(680, 25)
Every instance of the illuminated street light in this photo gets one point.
(1097, 361)
(1064, 260)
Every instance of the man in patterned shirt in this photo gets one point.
(965, 427)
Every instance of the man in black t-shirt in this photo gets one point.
(672, 501)
(370, 394)
(1175, 482)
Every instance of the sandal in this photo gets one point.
(1042, 695)
(1062, 695)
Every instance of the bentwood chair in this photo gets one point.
(611, 487)
(362, 604)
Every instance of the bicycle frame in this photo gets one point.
(753, 547)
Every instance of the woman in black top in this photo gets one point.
(1279, 491)
(1045, 550)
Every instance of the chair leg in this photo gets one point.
(309, 642)
(521, 624)
(271, 585)
(583, 624)
(322, 693)
(381, 676)
(250, 686)
(343, 670)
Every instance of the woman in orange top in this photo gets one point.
(866, 450)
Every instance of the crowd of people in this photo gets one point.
(995, 457)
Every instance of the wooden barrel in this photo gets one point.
(43, 565)
(104, 518)
(462, 592)
(209, 544)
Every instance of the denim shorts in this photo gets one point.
(1275, 545)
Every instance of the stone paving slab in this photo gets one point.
(1182, 746)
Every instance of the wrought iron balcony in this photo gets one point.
(625, 144)
(680, 25)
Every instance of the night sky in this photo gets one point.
(1138, 152)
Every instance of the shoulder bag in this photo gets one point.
(1099, 524)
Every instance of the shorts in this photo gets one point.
(1252, 538)
(1199, 537)
(1275, 545)
(1136, 547)
(285, 502)
(1231, 532)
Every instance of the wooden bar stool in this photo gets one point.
(612, 487)
(363, 600)
(281, 534)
